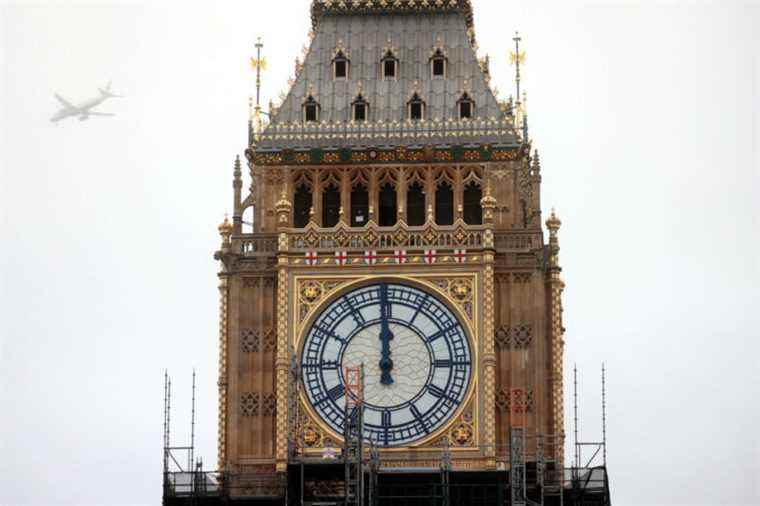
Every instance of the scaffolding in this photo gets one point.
(184, 480)
(529, 471)
(588, 482)
(353, 435)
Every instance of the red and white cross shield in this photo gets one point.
(341, 257)
(400, 256)
(460, 256)
(430, 256)
(370, 257)
(312, 258)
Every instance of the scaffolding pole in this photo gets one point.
(517, 466)
(353, 436)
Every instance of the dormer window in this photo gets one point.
(416, 107)
(466, 107)
(311, 110)
(361, 109)
(340, 66)
(438, 64)
(390, 66)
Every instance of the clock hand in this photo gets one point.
(386, 364)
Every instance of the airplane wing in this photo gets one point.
(64, 102)
(93, 113)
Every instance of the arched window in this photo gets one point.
(444, 204)
(359, 206)
(311, 110)
(473, 211)
(415, 205)
(360, 108)
(302, 206)
(340, 66)
(416, 108)
(466, 107)
(330, 206)
(438, 64)
(388, 203)
(390, 66)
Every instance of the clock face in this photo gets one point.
(416, 357)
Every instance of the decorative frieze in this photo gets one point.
(345, 156)
(518, 337)
(255, 340)
(515, 401)
(250, 403)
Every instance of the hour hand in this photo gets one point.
(386, 364)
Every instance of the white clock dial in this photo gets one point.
(411, 363)
(416, 357)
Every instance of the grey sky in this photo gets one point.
(646, 116)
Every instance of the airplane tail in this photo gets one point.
(107, 91)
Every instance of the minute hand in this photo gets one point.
(386, 364)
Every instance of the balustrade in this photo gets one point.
(385, 238)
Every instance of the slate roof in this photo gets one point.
(365, 34)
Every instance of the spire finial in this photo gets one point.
(238, 172)
(517, 58)
(258, 63)
(536, 161)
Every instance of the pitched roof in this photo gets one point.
(365, 35)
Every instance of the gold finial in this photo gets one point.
(225, 229)
(553, 223)
(517, 58)
(282, 208)
(488, 203)
(259, 63)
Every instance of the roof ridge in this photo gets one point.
(320, 8)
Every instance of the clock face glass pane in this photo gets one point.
(416, 357)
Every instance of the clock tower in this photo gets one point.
(392, 226)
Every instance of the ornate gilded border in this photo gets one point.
(450, 288)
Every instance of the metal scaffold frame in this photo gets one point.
(531, 472)
(353, 435)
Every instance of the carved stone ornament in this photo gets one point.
(460, 290)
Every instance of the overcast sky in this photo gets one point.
(646, 115)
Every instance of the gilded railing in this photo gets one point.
(342, 237)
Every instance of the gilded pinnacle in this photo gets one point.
(553, 223)
(225, 228)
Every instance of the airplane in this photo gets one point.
(84, 110)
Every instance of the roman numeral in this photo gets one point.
(436, 390)
(386, 419)
(421, 304)
(336, 392)
(386, 423)
(418, 416)
(333, 394)
(324, 332)
(447, 364)
(324, 366)
(441, 332)
(357, 316)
